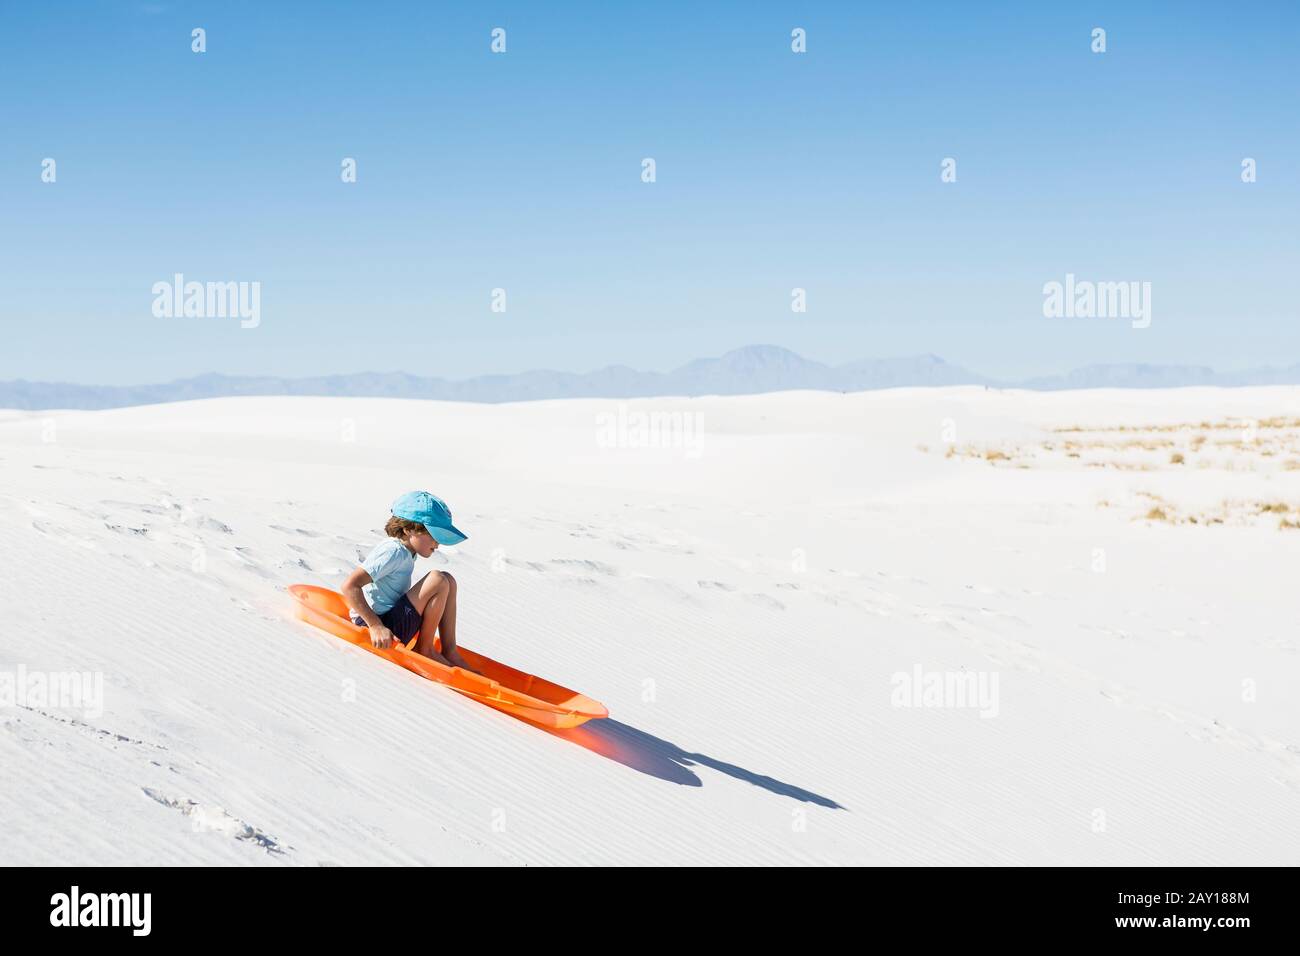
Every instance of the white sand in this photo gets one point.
(740, 606)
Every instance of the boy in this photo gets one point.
(380, 590)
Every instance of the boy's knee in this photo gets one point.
(429, 584)
(437, 581)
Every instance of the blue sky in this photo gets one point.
(522, 171)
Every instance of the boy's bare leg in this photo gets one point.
(429, 597)
(447, 626)
(434, 596)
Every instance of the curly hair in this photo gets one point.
(401, 527)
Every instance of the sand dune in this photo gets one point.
(741, 585)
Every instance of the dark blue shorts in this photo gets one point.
(402, 619)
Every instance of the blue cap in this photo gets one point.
(432, 512)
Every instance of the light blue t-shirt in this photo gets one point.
(390, 567)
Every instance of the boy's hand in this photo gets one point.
(381, 637)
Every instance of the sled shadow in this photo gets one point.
(660, 758)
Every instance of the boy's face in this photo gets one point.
(422, 543)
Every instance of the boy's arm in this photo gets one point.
(358, 579)
(380, 636)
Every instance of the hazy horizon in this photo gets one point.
(830, 363)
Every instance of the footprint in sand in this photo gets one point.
(585, 565)
(527, 565)
(300, 531)
(211, 819)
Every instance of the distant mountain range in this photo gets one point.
(746, 371)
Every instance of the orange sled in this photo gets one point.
(521, 695)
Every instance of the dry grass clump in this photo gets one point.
(1276, 422)
(1232, 445)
